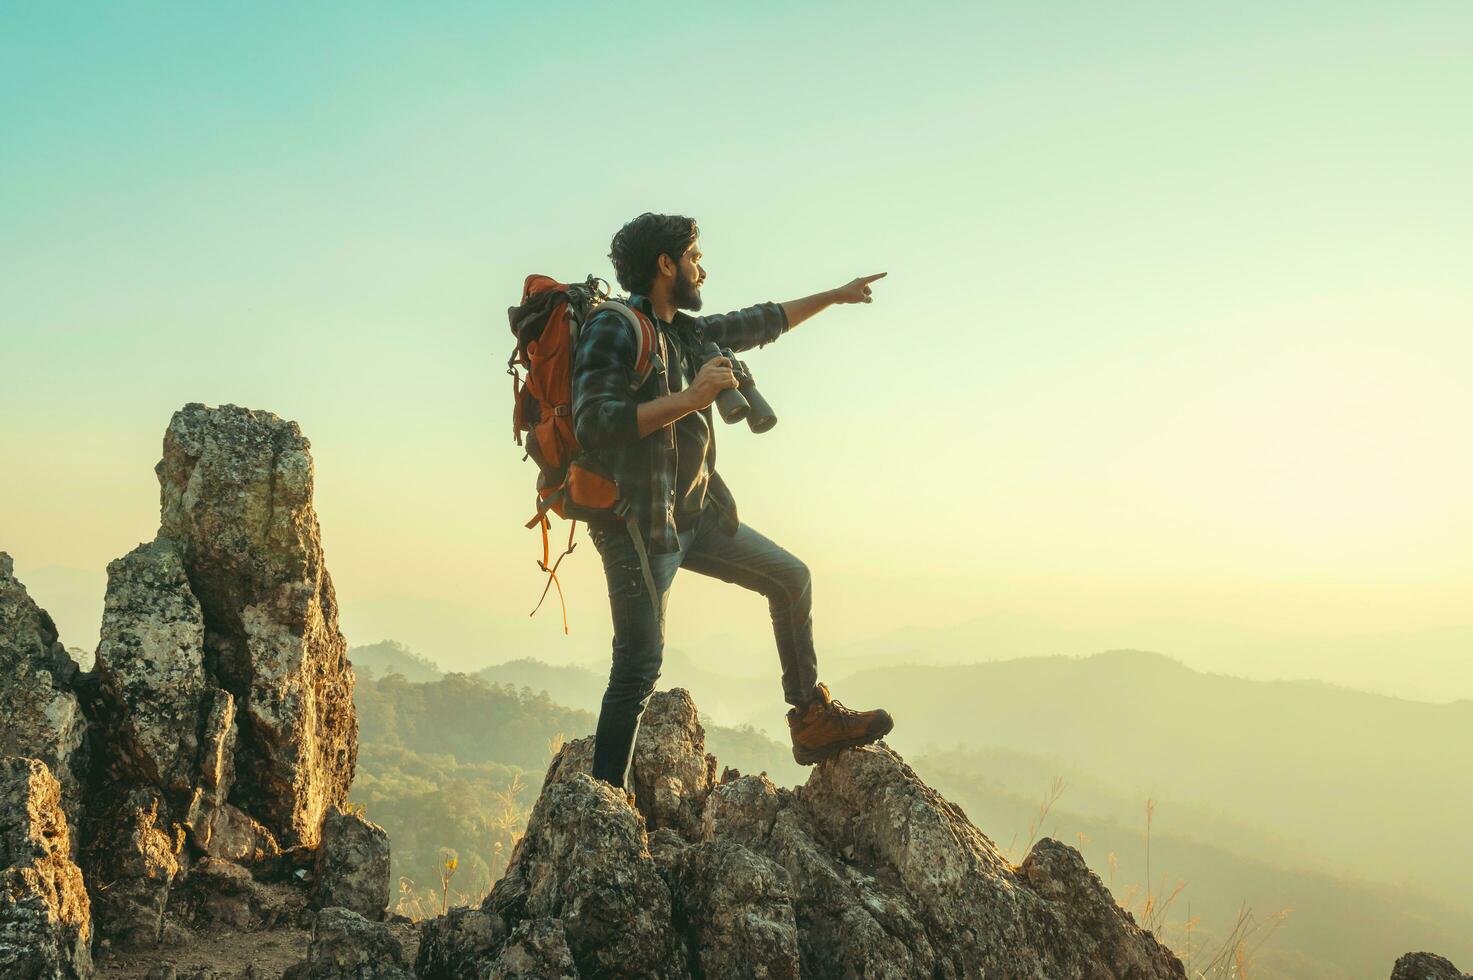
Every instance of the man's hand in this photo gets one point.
(857, 291)
(798, 310)
(714, 377)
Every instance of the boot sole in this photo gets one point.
(807, 757)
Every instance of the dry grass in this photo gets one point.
(1055, 791)
(1229, 958)
(504, 823)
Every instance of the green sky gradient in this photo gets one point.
(1173, 350)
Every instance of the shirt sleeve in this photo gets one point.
(604, 407)
(744, 329)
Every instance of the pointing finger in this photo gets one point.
(877, 275)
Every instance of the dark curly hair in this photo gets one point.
(637, 247)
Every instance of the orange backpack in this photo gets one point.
(570, 482)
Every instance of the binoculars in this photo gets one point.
(744, 401)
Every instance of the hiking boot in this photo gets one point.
(825, 726)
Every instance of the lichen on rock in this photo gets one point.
(584, 860)
(236, 499)
(43, 719)
(352, 869)
(150, 668)
(45, 915)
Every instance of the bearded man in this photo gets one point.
(658, 442)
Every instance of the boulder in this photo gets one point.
(850, 922)
(230, 834)
(353, 865)
(43, 719)
(346, 946)
(45, 916)
(131, 859)
(236, 501)
(1426, 966)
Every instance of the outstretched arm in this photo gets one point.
(855, 291)
(759, 325)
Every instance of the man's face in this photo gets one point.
(688, 279)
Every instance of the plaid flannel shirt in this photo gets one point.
(605, 407)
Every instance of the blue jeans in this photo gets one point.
(747, 559)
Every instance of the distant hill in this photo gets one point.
(392, 657)
(727, 699)
(1426, 664)
(1373, 783)
(567, 684)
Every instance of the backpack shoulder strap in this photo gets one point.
(645, 338)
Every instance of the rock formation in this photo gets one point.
(236, 499)
(197, 761)
(1426, 966)
(863, 872)
(353, 865)
(42, 717)
(222, 695)
(45, 926)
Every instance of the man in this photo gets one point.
(659, 444)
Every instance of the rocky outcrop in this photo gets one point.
(45, 920)
(352, 869)
(865, 871)
(221, 698)
(1426, 966)
(43, 719)
(236, 499)
(200, 756)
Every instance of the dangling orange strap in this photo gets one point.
(552, 578)
(516, 400)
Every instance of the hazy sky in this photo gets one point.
(1176, 330)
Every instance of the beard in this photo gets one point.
(686, 294)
